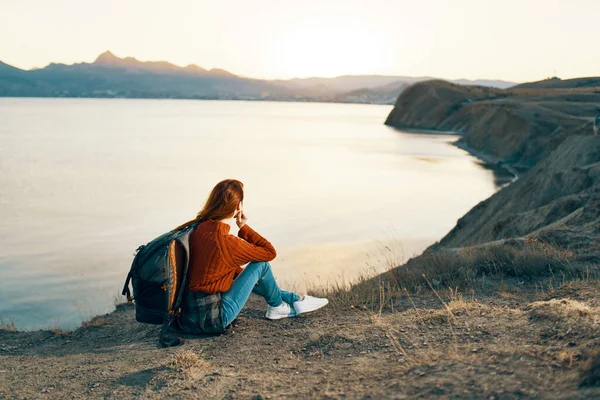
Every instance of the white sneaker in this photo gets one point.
(281, 311)
(309, 304)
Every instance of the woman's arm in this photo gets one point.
(250, 246)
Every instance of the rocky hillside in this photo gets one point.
(558, 200)
(519, 126)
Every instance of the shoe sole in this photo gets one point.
(275, 317)
(312, 309)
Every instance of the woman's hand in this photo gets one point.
(240, 219)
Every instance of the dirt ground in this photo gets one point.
(513, 344)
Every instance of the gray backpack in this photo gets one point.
(158, 275)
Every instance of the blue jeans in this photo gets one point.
(257, 277)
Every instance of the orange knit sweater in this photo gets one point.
(216, 256)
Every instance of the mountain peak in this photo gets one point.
(107, 58)
(195, 68)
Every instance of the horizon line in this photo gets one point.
(263, 79)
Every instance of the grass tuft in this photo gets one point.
(190, 364)
(187, 359)
(100, 321)
(455, 307)
(7, 325)
(566, 309)
(56, 330)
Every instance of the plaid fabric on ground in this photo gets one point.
(201, 313)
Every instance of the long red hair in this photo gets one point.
(221, 203)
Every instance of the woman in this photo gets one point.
(217, 286)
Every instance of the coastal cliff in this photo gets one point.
(518, 126)
(546, 131)
(558, 200)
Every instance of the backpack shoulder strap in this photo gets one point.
(126, 291)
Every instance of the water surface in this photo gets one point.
(84, 182)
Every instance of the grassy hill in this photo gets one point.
(556, 83)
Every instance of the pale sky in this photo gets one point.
(515, 40)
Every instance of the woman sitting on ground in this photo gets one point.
(217, 286)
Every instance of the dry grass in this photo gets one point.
(7, 325)
(96, 322)
(346, 294)
(190, 364)
(419, 345)
(187, 359)
(56, 330)
(564, 310)
(506, 295)
(463, 268)
(456, 307)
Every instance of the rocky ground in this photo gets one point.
(513, 342)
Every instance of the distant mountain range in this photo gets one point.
(114, 77)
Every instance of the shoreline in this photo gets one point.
(484, 157)
(489, 159)
(424, 131)
(196, 99)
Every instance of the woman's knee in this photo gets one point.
(259, 265)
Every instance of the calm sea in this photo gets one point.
(84, 182)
